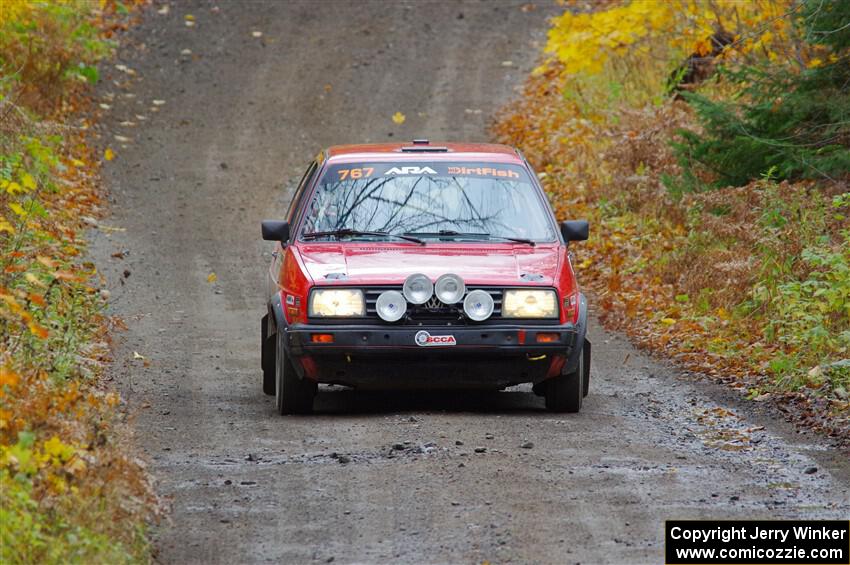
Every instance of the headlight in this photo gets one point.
(331, 302)
(530, 304)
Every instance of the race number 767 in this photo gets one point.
(355, 173)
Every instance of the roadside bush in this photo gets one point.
(791, 118)
(47, 47)
(70, 489)
(745, 283)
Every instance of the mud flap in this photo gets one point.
(267, 356)
(266, 346)
(272, 322)
(586, 376)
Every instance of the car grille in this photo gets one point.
(433, 310)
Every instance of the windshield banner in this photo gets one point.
(356, 171)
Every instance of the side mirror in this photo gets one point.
(274, 230)
(575, 230)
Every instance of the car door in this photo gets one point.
(291, 216)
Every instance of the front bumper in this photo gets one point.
(491, 356)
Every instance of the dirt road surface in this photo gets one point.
(234, 106)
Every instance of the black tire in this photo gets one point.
(565, 392)
(293, 395)
(267, 355)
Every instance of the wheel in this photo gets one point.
(267, 354)
(565, 392)
(293, 395)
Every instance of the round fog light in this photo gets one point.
(418, 289)
(449, 289)
(391, 306)
(478, 305)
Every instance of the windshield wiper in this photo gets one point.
(350, 232)
(514, 239)
(475, 235)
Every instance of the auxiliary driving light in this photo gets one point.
(449, 288)
(478, 305)
(418, 289)
(391, 306)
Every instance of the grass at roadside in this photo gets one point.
(747, 281)
(70, 488)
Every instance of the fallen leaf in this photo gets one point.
(109, 154)
(164, 10)
(257, 33)
(137, 356)
(32, 279)
(38, 331)
(189, 18)
(668, 321)
(211, 278)
(399, 118)
(123, 139)
(158, 102)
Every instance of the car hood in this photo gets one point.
(379, 264)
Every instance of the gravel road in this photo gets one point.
(228, 112)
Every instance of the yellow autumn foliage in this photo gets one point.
(633, 46)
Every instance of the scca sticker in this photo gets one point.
(411, 171)
(424, 339)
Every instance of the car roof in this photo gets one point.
(423, 150)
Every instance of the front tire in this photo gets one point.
(293, 395)
(565, 392)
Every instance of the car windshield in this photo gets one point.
(443, 201)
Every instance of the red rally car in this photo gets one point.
(423, 266)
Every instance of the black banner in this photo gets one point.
(763, 542)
